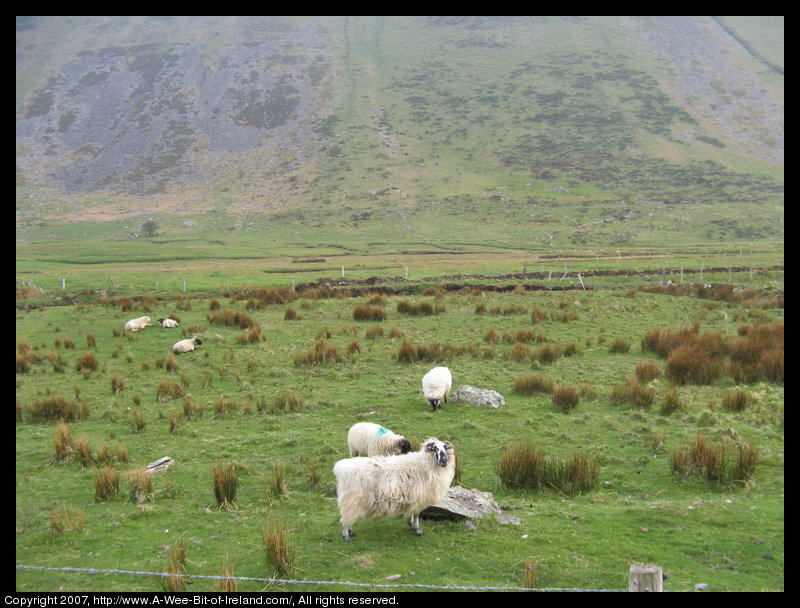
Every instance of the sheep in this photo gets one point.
(436, 384)
(389, 486)
(370, 439)
(185, 346)
(168, 322)
(137, 324)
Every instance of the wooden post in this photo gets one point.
(63, 286)
(581, 280)
(113, 284)
(645, 578)
(184, 287)
(342, 270)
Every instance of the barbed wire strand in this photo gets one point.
(299, 582)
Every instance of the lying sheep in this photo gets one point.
(389, 486)
(436, 384)
(370, 439)
(168, 322)
(137, 324)
(185, 346)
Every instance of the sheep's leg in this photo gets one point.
(414, 523)
(347, 533)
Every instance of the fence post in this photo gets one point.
(644, 578)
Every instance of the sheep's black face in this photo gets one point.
(434, 403)
(197, 341)
(439, 450)
(161, 321)
(405, 446)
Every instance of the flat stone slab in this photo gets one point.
(460, 503)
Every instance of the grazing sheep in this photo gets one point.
(370, 439)
(137, 324)
(436, 384)
(389, 486)
(185, 346)
(168, 322)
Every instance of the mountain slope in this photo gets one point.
(541, 131)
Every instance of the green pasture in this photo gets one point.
(729, 537)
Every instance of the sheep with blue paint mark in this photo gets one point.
(370, 439)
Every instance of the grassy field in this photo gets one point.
(225, 410)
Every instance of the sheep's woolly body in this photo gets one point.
(185, 346)
(168, 322)
(388, 486)
(436, 384)
(370, 439)
(137, 324)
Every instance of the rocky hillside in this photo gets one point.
(388, 118)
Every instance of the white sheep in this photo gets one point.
(370, 439)
(436, 384)
(168, 322)
(390, 486)
(185, 346)
(137, 324)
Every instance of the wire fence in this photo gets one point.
(374, 586)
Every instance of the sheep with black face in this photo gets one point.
(185, 346)
(389, 486)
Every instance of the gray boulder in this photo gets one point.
(460, 503)
(478, 396)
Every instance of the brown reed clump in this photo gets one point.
(170, 364)
(530, 575)
(169, 389)
(287, 401)
(619, 346)
(86, 362)
(102, 454)
(366, 312)
(407, 352)
(90, 341)
(632, 392)
(230, 318)
(647, 371)
(223, 406)
(191, 409)
(57, 407)
(177, 558)
(117, 384)
(277, 482)
(62, 443)
(64, 518)
(539, 314)
(735, 400)
(522, 466)
(279, 549)
(226, 486)
(227, 584)
(421, 309)
(374, 332)
(671, 401)
(530, 384)
(491, 336)
(565, 398)
(137, 421)
(520, 353)
(548, 353)
(84, 450)
(106, 483)
(322, 354)
(140, 485)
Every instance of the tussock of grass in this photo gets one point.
(524, 466)
(226, 485)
